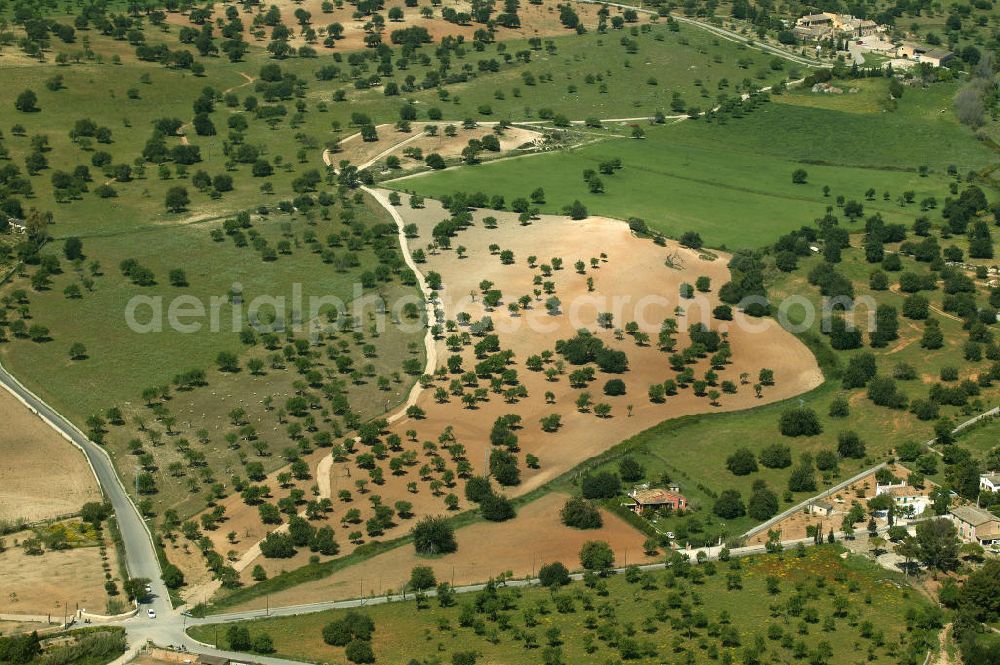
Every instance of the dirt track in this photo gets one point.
(391, 142)
(633, 274)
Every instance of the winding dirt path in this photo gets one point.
(248, 81)
(326, 464)
(895, 289)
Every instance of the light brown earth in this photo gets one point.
(394, 142)
(633, 282)
(42, 475)
(536, 21)
(485, 550)
(46, 584)
(794, 526)
(16, 627)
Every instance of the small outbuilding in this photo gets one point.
(646, 498)
(820, 508)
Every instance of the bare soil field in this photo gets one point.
(41, 474)
(485, 549)
(394, 142)
(536, 21)
(635, 285)
(46, 584)
(632, 281)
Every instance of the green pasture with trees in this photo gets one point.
(735, 182)
(147, 159)
(794, 606)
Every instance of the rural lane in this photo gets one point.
(140, 554)
(721, 32)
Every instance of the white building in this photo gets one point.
(909, 501)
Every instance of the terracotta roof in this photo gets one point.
(974, 516)
(940, 54)
(905, 490)
(656, 496)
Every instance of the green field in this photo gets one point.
(732, 182)
(698, 617)
(980, 438)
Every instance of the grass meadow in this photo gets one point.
(732, 182)
(981, 439)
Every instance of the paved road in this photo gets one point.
(140, 556)
(724, 33)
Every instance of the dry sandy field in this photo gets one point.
(394, 142)
(536, 21)
(634, 284)
(520, 546)
(41, 474)
(632, 281)
(46, 584)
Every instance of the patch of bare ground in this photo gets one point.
(794, 526)
(485, 549)
(396, 143)
(536, 21)
(49, 583)
(42, 475)
(634, 284)
(17, 627)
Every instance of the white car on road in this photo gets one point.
(151, 613)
